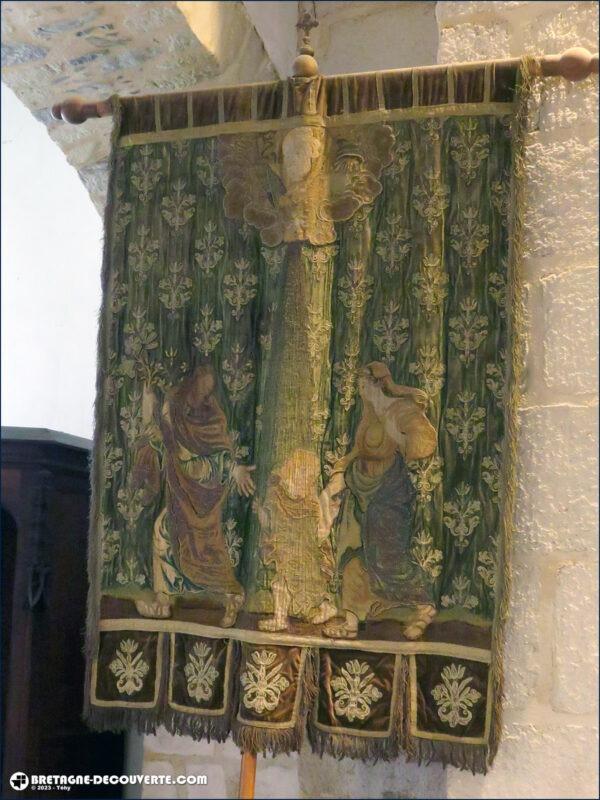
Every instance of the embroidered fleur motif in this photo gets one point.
(345, 376)
(390, 331)
(462, 516)
(122, 216)
(465, 422)
(429, 369)
(426, 475)
(500, 193)
(454, 697)
(469, 238)
(118, 296)
(207, 332)
(240, 287)
(178, 208)
(113, 458)
(209, 248)
(341, 447)
(263, 686)
(319, 258)
(468, 330)
(206, 170)
(469, 148)
(461, 586)
(354, 691)
(111, 542)
(176, 289)
(131, 418)
(143, 253)
(487, 566)
(237, 373)
(495, 381)
(431, 128)
(130, 504)
(426, 556)
(179, 149)
(273, 257)
(200, 672)
(145, 173)
(355, 288)
(129, 667)
(497, 291)
(400, 158)
(490, 472)
(430, 285)
(431, 199)
(233, 541)
(317, 329)
(392, 244)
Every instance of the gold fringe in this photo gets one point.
(515, 364)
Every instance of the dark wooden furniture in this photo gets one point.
(45, 497)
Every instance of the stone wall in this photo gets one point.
(550, 740)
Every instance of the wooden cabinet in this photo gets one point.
(45, 499)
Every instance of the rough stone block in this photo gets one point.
(450, 13)
(163, 743)
(557, 506)
(216, 785)
(278, 777)
(575, 679)
(562, 194)
(561, 26)
(554, 760)
(571, 331)
(469, 42)
(566, 105)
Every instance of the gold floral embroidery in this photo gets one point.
(129, 667)
(400, 160)
(145, 173)
(494, 380)
(200, 672)
(462, 516)
(465, 422)
(130, 572)
(393, 243)
(425, 556)
(460, 597)
(497, 291)
(240, 287)
(431, 199)
(176, 289)
(209, 248)
(454, 697)
(346, 376)
(469, 148)
(426, 475)
(143, 253)
(262, 686)
(430, 285)
(429, 369)
(237, 373)
(355, 289)
(206, 169)
(233, 540)
(354, 691)
(273, 257)
(487, 566)
(178, 208)
(293, 185)
(390, 331)
(468, 330)
(207, 332)
(490, 472)
(470, 238)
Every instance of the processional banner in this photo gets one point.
(308, 371)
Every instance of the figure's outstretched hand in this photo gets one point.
(242, 475)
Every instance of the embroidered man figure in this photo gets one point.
(290, 518)
(371, 495)
(189, 549)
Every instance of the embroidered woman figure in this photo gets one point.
(370, 499)
(189, 548)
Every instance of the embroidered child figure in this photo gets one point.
(290, 518)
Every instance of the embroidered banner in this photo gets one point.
(306, 414)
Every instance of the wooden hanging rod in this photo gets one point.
(573, 65)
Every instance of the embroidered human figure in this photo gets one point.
(370, 501)
(290, 519)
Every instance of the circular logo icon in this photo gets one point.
(19, 781)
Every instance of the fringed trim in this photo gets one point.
(96, 467)
(515, 365)
(252, 739)
(470, 757)
(368, 748)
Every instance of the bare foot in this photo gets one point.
(233, 604)
(342, 630)
(324, 613)
(159, 608)
(416, 627)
